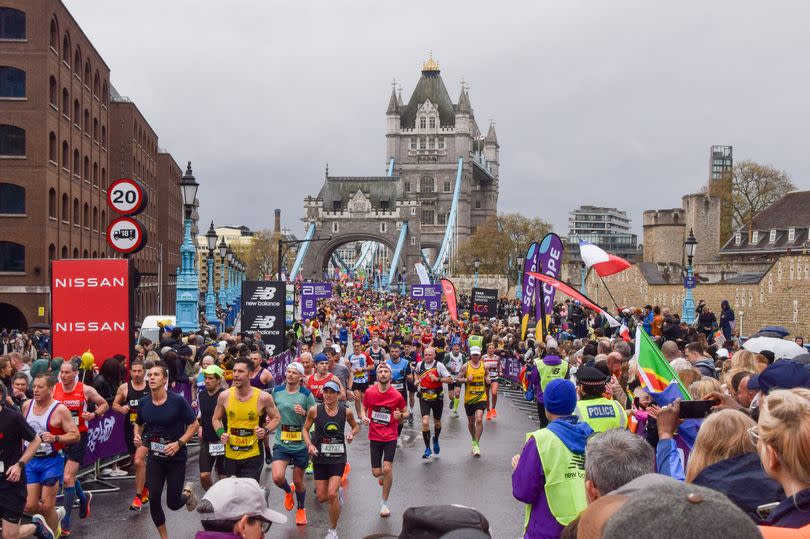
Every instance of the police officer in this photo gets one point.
(593, 408)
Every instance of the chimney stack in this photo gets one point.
(277, 226)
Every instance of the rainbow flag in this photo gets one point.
(655, 373)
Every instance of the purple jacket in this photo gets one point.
(534, 375)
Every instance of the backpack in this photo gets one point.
(434, 521)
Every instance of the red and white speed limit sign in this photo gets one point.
(126, 235)
(126, 196)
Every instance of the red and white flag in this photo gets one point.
(600, 260)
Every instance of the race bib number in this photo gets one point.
(291, 433)
(75, 419)
(399, 386)
(2, 467)
(381, 416)
(332, 449)
(133, 417)
(215, 450)
(158, 449)
(241, 439)
(430, 394)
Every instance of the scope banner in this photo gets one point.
(431, 294)
(549, 258)
(485, 302)
(90, 308)
(264, 305)
(310, 294)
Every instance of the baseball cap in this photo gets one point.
(214, 370)
(782, 374)
(475, 350)
(722, 352)
(297, 366)
(320, 358)
(232, 498)
(331, 384)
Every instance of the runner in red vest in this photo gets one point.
(75, 395)
(430, 375)
(318, 379)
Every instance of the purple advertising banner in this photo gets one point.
(431, 294)
(530, 264)
(277, 366)
(310, 294)
(105, 437)
(550, 263)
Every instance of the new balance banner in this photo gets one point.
(263, 310)
(431, 294)
(90, 308)
(449, 290)
(550, 263)
(310, 294)
(485, 302)
(530, 263)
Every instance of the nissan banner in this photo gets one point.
(263, 310)
(310, 294)
(431, 294)
(90, 308)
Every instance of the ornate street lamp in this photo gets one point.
(476, 265)
(231, 274)
(187, 288)
(210, 298)
(519, 270)
(223, 270)
(688, 308)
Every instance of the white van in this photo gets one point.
(150, 328)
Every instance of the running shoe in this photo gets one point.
(191, 497)
(340, 498)
(145, 496)
(136, 504)
(84, 508)
(106, 471)
(399, 442)
(427, 453)
(476, 450)
(346, 470)
(301, 517)
(331, 534)
(62, 532)
(436, 447)
(380, 480)
(489, 415)
(384, 511)
(118, 472)
(309, 469)
(60, 514)
(288, 499)
(494, 412)
(43, 530)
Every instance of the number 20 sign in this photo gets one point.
(126, 196)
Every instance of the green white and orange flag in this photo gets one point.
(655, 373)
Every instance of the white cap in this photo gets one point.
(722, 352)
(551, 343)
(475, 350)
(232, 498)
(297, 366)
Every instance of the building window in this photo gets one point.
(446, 186)
(427, 217)
(66, 48)
(65, 102)
(737, 238)
(86, 216)
(86, 124)
(103, 222)
(432, 122)
(53, 154)
(76, 211)
(412, 143)
(103, 178)
(755, 237)
(95, 129)
(105, 97)
(95, 219)
(86, 169)
(12, 199)
(65, 155)
(441, 219)
(336, 205)
(477, 204)
(96, 84)
(12, 82)
(77, 111)
(413, 211)
(422, 122)
(772, 236)
(431, 143)
(12, 257)
(407, 187)
(53, 92)
(77, 61)
(12, 23)
(54, 34)
(12, 141)
(64, 252)
(87, 72)
(77, 160)
(413, 240)
(65, 209)
(335, 228)
(75, 252)
(95, 174)
(441, 143)
(104, 136)
(791, 235)
(52, 203)
(426, 184)
(383, 227)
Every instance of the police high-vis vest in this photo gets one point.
(475, 340)
(547, 373)
(564, 473)
(601, 414)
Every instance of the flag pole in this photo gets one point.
(609, 293)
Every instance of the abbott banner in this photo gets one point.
(263, 310)
(90, 306)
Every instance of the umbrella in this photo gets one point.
(781, 348)
(780, 330)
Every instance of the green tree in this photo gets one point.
(498, 241)
(754, 187)
(261, 257)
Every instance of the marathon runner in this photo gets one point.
(262, 378)
(243, 406)
(454, 361)
(75, 395)
(430, 375)
(318, 379)
(411, 353)
(400, 376)
(360, 365)
(52, 422)
(383, 409)
(212, 450)
(292, 401)
(327, 445)
(164, 425)
(492, 363)
(474, 377)
(338, 367)
(377, 354)
(126, 403)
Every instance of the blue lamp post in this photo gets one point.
(476, 265)
(188, 295)
(688, 308)
(210, 298)
(223, 252)
(229, 281)
(519, 266)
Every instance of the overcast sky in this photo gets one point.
(607, 103)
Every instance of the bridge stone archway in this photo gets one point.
(361, 209)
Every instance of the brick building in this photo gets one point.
(169, 228)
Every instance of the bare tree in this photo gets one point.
(755, 187)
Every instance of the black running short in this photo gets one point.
(250, 467)
(209, 462)
(75, 452)
(382, 451)
(470, 409)
(359, 386)
(12, 500)
(435, 406)
(323, 472)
